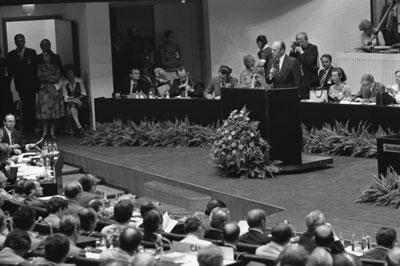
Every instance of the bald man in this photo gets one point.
(230, 234)
(284, 70)
(256, 219)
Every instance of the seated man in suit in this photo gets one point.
(313, 220)
(256, 219)
(70, 226)
(325, 74)
(183, 85)
(72, 192)
(194, 230)
(11, 136)
(224, 80)
(89, 219)
(152, 227)
(33, 190)
(88, 184)
(230, 235)
(122, 215)
(285, 70)
(281, 235)
(56, 250)
(24, 219)
(370, 89)
(16, 245)
(326, 238)
(133, 84)
(218, 218)
(385, 239)
(55, 206)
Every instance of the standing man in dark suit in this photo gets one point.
(23, 68)
(256, 219)
(265, 53)
(307, 55)
(285, 70)
(55, 59)
(133, 84)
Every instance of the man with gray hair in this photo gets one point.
(370, 89)
(313, 220)
(320, 257)
(218, 218)
(210, 257)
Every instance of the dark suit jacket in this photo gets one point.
(214, 234)
(254, 237)
(289, 76)
(86, 197)
(125, 87)
(176, 91)
(328, 80)
(266, 54)
(17, 138)
(377, 253)
(24, 71)
(307, 241)
(366, 93)
(309, 65)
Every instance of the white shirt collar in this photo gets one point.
(281, 61)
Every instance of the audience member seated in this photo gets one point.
(88, 184)
(11, 136)
(56, 250)
(370, 37)
(338, 91)
(18, 194)
(325, 74)
(98, 206)
(194, 233)
(313, 220)
(293, 255)
(211, 256)
(88, 219)
(386, 238)
(75, 98)
(230, 234)
(170, 52)
(70, 226)
(56, 207)
(393, 257)
(320, 257)
(16, 245)
(224, 80)
(24, 219)
(144, 259)
(281, 235)
(123, 210)
(152, 225)
(211, 205)
(134, 84)
(3, 183)
(325, 237)
(2, 228)
(369, 89)
(73, 192)
(183, 85)
(393, 91)
(265, 53)
(129, 240)
(345, 259)
(256, 219)
(251, 77)
(218, 218)
(33, 190)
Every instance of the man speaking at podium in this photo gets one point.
(285, 70)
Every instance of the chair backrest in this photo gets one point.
(82, 261)
(372, 262)
(248, 248)
(261, 259)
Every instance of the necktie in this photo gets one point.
(11, 138)
(276, 65)
(133, 89)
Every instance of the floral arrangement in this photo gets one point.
(383, 190)
(238, 148)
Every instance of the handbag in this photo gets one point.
(319, 95)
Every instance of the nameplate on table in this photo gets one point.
(387, 147)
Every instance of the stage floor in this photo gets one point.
(332, 190)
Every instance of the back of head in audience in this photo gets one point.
(256, 218)
(193, 225)
(88, 183)
(211, 256)
(33, 188)
(129, 239)
(230, 233)
(73, 190)
(213, 204)
(19, 187)
(56, 205)
(345, 259)
(24, 218)
(314, 219)
(96, 204)
(324, 236)
(393, 257)
(123, 211)
(69, 226)
(56, 248)
(144, 259)
(19, 241)
(152, 222)
(386, 237)
(293, 255)
(88, 219)
(219, 217)
(281, 233)
(320, 257)
(147, 207)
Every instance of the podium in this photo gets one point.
(388, 153)
(277, 110)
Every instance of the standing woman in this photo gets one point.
(50, 103)
(75, 97)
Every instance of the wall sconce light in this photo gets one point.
(28, 10)
(183, 1)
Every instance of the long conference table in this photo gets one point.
(206, 112)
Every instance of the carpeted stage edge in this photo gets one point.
(332, 190)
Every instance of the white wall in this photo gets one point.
(234, 25)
